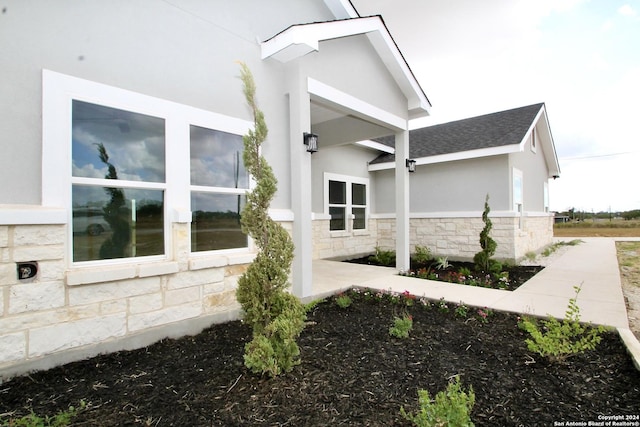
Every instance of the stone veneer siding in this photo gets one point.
(454, 237)
(63, 315)
(343, 244)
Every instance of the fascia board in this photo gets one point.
(376, 146)
(463, 155)
(341, 9)
(548, 147)
(299, 40)
(353, 105)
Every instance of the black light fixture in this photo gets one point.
(311, 141)
(411, 165)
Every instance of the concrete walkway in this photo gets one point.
(592, 265)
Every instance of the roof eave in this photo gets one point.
(299, 40)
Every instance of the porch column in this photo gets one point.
(402, 201)
(300, 122)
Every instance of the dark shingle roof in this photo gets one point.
(488, 131)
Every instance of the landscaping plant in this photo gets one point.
(275, 316)
(384, 258)
(61, 419)
(558, 340)
(422, 255)
(401, 326)
(482, 259)
(343, 301)
(451, 407)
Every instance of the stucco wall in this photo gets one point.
(535, 174)
(456, 186)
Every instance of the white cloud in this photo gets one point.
(627, 10)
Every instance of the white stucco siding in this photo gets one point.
(535, 174)
(351, 65)
(459, 186)
(185, 54)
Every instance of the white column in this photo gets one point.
(300, 122)
(402, 201)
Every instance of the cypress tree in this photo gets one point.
(275, 315)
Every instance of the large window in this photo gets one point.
(219, 182)
(127, 166)
(346, 202)
(118, 183)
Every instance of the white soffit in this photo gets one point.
(299, 40)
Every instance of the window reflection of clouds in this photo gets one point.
(215, 157)
(134, 143)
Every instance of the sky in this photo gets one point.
(580, 57)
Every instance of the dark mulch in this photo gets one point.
(517, 274)
(352, 373)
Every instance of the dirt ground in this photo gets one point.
(629, 263)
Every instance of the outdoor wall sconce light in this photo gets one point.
(411, 165)
(311, 141)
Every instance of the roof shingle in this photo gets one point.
(487, 131)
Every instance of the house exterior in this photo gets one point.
(508, 155)
(121, 166)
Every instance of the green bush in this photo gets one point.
(451, 407)
(61, 419)
(401, 326)
(343, 301)
(422, 255)
(275, 316)
(483, 259)
(559, 340)
(382, 257)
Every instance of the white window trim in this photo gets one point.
(348, 216)
(59, 90)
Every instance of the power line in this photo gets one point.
(595, 156)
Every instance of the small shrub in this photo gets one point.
(451, 407)
(442, 305)
(382, 257)
(531, 256)
(313, 304)
(461, 310)
(401, 326)
(559, 340)
(464, 271)
(423, 255)
(408, 298)
(482, 259)
(442, 263)
(484, 314)
(61, 419)
(343, 301)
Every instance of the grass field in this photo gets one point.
(614, 228)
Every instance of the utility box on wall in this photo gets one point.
(27, 271)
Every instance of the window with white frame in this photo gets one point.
(138, 163)
(346, 202)
(219, 182)
(117, 184)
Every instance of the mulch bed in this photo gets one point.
(517, 274)
(353, 373)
